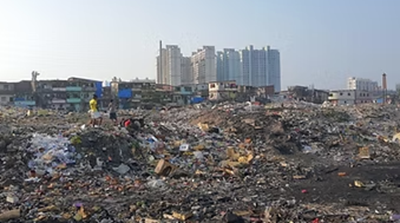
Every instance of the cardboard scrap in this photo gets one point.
(182, 217)
(363, 153)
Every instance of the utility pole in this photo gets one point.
(384, 88)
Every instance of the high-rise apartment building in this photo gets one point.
(228, 65)
(250, 67)
(186, 71)
(362, 84)
(203, 65)
(274, 68)
(169, 66)
(255, 67)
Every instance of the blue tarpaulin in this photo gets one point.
(19, 99)
(196, 100)
(125, 93)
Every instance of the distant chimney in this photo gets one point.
(384, 83)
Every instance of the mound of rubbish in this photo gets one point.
(109, 148)
(210, 163)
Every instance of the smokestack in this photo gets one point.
(384, 83)
(161, 76)
(384, 87)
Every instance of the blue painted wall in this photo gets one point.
(99, 89)
(125, 93)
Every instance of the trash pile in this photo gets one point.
(221, 163)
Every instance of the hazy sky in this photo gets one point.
(322, 42)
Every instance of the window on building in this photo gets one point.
(345, 102)
(341, 93)
(212, 86)
(367, 95)
(3, 99)
(348, 94)
(5, 87)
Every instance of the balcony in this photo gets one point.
(73, 88)
(7, 92)
(24, 103)
(74, 100)
(90, 89)
(58, 101)
(62, 89)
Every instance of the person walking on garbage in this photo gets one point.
(96, 118)
(113, 111)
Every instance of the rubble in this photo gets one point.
(223, 163)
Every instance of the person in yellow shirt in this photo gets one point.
(94, 112)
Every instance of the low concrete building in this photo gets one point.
(342, 97)
(222, 91)
(182, 95)
(261, 94)
(363, 97)
(350, 97)
(134, 93)
(7, 92)
(303, 93)
(23, 94)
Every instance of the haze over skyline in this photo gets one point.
(321, 42)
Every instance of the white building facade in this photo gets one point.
(274, 69)
(229, 66)
(250, 67)
(186, 71)
(342, 97)
(171, 65)
(350, 97)
(255, 67)
(362, 84)
(203, 65)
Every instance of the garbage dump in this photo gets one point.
(223, 163)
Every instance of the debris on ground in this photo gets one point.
(227, 163)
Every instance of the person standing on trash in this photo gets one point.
(112, 109)
(94, 112)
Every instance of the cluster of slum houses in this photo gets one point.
(74, 94)
(338, 97)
